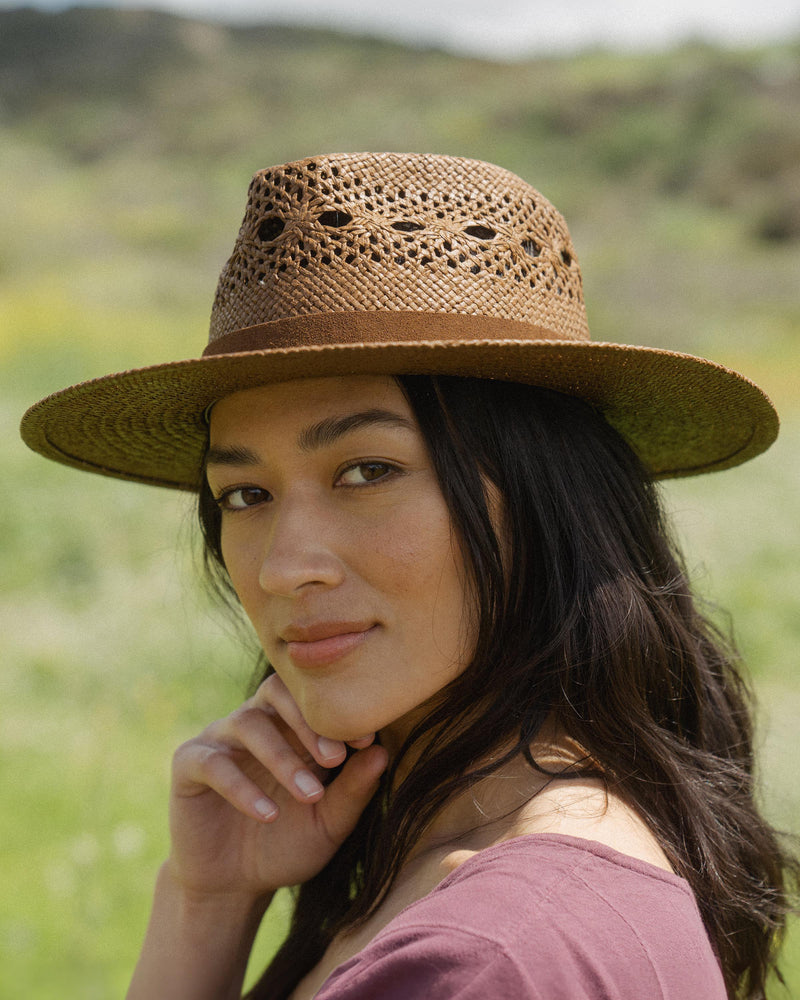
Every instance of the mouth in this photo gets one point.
(324, 642)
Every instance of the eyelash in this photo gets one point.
(223, 500)
(373, 463)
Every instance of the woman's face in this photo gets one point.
(339, 544)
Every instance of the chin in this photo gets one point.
(343, 726)
(347, 725)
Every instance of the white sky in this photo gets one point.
(507, 27)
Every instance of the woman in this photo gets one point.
(496, 745)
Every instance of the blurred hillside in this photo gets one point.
(720, 128)
(127, 140)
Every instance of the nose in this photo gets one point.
(300, 550)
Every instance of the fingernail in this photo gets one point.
(329, 748)
(265, 808)
(307, 783)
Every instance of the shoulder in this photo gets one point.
(542, 917)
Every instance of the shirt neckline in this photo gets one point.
(584, 845)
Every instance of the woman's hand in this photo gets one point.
(249, 812)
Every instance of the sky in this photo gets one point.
(505, 28)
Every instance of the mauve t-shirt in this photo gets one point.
(545, 917)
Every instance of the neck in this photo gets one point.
(496, 807)
(492, 810)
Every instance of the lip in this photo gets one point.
(324, 642)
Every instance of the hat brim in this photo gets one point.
(682, 414)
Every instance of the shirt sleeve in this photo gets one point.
(538, 919)
(427, 961)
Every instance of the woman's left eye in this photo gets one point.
(364, 473)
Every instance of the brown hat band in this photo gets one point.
(401, 263)
(387, 326)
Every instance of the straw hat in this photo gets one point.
(388, 263)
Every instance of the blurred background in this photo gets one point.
(670, 140)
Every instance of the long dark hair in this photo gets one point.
(585, 616)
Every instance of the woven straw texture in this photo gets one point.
(401, 263)
(388, 231)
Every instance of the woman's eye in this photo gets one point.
(242, 497)
(365, 472)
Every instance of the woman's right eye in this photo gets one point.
(242, 497)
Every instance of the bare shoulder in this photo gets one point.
(584, 808)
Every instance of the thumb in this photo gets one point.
(348, 794)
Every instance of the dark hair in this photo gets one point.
(586, 616)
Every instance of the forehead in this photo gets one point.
(301, 402)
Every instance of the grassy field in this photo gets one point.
(115, 654)
(127, 190)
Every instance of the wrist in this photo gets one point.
(197, 943)
(223, 901)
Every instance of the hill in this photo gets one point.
(129, 136)
(716, 126)
(127, 139)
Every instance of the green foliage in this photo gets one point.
(126, 142)
(719, 127)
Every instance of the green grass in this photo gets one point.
(127, 190)
(114, 655)
(742, 538)
(112, 658)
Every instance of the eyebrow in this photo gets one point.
(234, 455)
(318, 435)
(328, 431)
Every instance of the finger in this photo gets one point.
(273, 693)
(249, 738)
(347, 796)
(204, 767)
(362, 742)
(256, 732)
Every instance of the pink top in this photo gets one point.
(545, 917)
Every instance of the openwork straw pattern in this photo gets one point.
(388, 231)
(389, 263)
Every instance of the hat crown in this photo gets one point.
(400, 232)
(391, 264)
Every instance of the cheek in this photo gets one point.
(242, 567)
(414, 548)
(425, 568)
